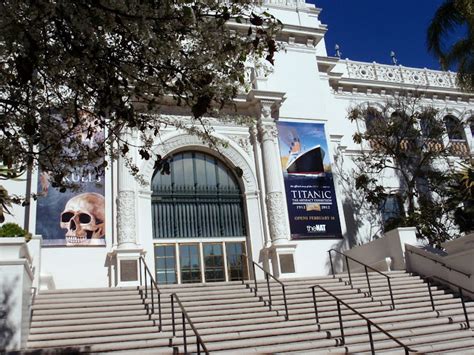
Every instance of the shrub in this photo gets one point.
(9, 230)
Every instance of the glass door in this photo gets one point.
(213, 262)
(235, 263)
(190, 263)
(165, 264)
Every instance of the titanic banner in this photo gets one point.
(309, 185)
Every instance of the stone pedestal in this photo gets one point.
(283, 260)
(127, 266)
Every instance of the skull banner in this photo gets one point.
(74, 218)
(71, 218)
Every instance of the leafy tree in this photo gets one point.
(76, 75)
(403, 143)
(454, 15)
(462, 198)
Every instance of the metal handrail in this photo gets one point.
(442, 264)
(153, 285)
(184, 317)
(369, 322)
(366, 267)
(460, 289)
(267, 277)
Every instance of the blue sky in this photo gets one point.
(367, 30)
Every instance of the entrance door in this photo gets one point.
(213, 262)
(190, 263)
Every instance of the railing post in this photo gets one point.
(391, 293)
(152, 298)
(140, 269)
(464, 308)
(286, 304)
(372, 349)
(368, 280)
(172, 315)
(332, 266)
(159, 311)
(183, 318)
(315, 305)
(198, 345)
(340, 322)
(348, 270)
(431, 294)
(254, 279)
(269, 291)
(146, 286)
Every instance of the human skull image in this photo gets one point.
(83, 218)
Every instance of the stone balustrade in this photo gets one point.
(399, 74)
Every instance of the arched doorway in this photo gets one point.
(198, 221)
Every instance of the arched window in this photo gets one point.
(454, 128)
(391, 210)
(201, 198)
(373, 120)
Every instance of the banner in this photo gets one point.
(309, 185)
(75, 218)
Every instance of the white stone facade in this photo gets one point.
(305, 86)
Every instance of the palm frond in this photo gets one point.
(446, 18)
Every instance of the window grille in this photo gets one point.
(200, 198)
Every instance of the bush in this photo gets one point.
(9, 230)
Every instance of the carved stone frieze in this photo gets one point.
(286, 3)
(186, 141)
(126, 220)
(243, 142)
(400, 74)
(276, 216)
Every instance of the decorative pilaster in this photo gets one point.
(281, 251)
(127, 252)
(268, 136)
(126, 219)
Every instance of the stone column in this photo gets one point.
(126, 208)
(274, 187)
(127, 252)
(281, 252)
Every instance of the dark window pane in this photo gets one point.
(165, 264)
(235, 263)
(201, 198)
(454, 128)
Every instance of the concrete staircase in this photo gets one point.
(231, 319)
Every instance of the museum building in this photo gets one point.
(273, 192)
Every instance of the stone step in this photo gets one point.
(232, 320)
(90, 334)
(90, 327)
(159, 339)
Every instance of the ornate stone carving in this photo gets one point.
(399, 74)
(361, 71)
(267, 131)
(414, 76)
(243, 142)
(286, 3)
(390, 74)
(176, 142)
(276, 217)
(126, 222)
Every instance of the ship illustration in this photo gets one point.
(309, 162)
